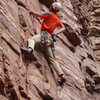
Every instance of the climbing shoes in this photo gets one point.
(61, 80)
(27, 51)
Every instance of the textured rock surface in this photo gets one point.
(74, 53)
(95, 27)
(95, 35)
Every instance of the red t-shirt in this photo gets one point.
(50, 22)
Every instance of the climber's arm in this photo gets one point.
(37, 14)
(42, 15)
(62, 29)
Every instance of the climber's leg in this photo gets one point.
(55, 65)
(34, 40)
(53, 61)
(31, 44)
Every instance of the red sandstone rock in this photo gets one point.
(73, 52)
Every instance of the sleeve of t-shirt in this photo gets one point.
(45, 15)
(60, 23)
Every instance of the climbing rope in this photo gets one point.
(26, 65)
(26, 79)
(26, 56)
(26, 61)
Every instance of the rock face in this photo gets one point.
(95, 33)
(24, 77)
(95, 28)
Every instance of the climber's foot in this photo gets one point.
(27, 51)
(61, 79)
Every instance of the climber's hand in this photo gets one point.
(62, 29)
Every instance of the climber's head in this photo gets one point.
(56, 7)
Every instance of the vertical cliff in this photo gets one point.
(23, 76)
(95, 27)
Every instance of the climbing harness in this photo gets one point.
(53, 37)
(45, 39)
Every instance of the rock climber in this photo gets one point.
(47, 37)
